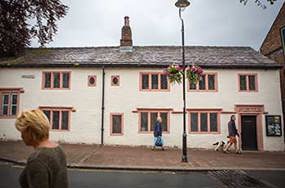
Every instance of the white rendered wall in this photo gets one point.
(126, 98)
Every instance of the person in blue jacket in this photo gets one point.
(157, 133)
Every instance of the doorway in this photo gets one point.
(248, 132)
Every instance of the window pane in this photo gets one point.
(193, 86)
(5, 102)
(5, 110)
(144, 121)
(47, 80)
(55, 120)
(5, 99)
(116, 124)
(213, 122)
(242, 82)
(65, 80)
(153, 117)
(163, 81)
(204, 122)
(47, 113)
(14, 104)
(163, 116)
(64, 120)
(154, 81)
(202, 83)
(251, 80)
(14, 110)
(194, 122)
(56, 79)
(145, 81)
(14, 99)
(211, 82)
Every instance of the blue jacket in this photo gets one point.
(157, 129)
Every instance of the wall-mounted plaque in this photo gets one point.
(30, 76)
(273, 125)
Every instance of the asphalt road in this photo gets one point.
(80, 178)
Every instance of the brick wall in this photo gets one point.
(272, 48)
(272, 42)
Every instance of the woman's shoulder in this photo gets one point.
(44, 154)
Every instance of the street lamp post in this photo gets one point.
(181, 4)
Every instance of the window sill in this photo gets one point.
(59, 130)
(151, 132)
(204, 133)
(155, 90)
(8, 117)
(116, 134)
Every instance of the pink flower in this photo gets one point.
(179, 68)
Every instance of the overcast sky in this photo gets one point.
(156, 22)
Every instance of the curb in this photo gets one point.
(3, 159)
(147, 168)
(162, 169)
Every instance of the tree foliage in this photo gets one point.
(22, 20)
(259, 2)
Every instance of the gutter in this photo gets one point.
(103, 106)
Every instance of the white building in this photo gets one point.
(112, 95)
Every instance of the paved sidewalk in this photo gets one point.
(143, 158)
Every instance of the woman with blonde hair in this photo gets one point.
(46, 166)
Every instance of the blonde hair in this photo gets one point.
(35, 123)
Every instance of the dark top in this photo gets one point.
(232, 128)
(157, 129)
(46, 168)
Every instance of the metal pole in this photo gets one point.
(184, 136)
(103, 106)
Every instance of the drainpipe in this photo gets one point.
(103, 105)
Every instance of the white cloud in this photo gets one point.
(156, 22)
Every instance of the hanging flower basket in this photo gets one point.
(194, 73)
(175, 73)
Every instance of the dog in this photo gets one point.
(219, 146)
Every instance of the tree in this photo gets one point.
(22, 20)
(259, 3)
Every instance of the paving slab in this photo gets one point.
(144, 158)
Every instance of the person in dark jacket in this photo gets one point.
(233, 135)
(157, 133)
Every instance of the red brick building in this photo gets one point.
(273, 47)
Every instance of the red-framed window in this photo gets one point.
(207, 82)
(204, 121)
(59, 117)
(91, 80)
(147, 119)
(56, 80)
(9, 102)
(248, 82)
(117, 123)
(154, 81)
(115, 80)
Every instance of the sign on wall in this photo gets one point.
(273, 125)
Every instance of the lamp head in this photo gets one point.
(182, 3)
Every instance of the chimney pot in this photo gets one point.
(126, 39)
(127, 22)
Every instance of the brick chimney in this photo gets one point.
(126, 43)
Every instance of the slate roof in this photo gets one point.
(142, 56)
